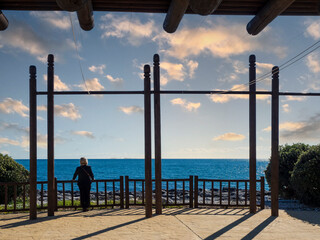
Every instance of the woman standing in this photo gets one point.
(85, 177)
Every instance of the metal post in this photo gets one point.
(262, 193)
(50, 112)
(252, 134)
(147, 139)
(157, 132)
(127, 191)
(33, 141)
(275, 143)
(121, 193)
(196, 191)
(190, 191)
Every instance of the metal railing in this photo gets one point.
(125, 192)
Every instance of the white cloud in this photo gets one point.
(223, 98)
(22, 37)
(295, 98)
(192, 65)
(239, 67)
(286, 108)
(229, 137)
(313, 62)
(288, 126)
(222, 39)
(131, 109)
(42, 141)
(174, 71)
(313, 29)
(84, 133)
(10, 105)
(58, 84)
(7, 141)
(56, 19)
(114, 80)
(91, 85)
(65, 110)
(263, 68)
(126, 27)
(189, 106)
(98, 69)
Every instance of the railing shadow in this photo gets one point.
(38, 220)
(90, 235)
(206, 211)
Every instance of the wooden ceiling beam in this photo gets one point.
(3, 21)
(85, 16)
(174, 15)
(204, 7)
(84, 11)
(267, 14)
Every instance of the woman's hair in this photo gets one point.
(83, 161)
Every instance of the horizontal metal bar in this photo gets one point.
(175, 92)
(298, 94)
(91, 92)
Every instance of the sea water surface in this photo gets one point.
(171, 168)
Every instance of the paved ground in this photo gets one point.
(173, 224)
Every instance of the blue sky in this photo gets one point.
(205, 53)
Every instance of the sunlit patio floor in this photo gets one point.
(174, 223)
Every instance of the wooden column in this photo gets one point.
(147, 139)
(157, 132)
(275, 143)
(50, 119)
(33, 141)
(252, 133)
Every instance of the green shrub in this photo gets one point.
(288, 156)
(305, 177)
(11, 171)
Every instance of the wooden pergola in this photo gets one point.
(265, 11)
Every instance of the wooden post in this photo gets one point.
(157, 133)
(147, 139)
(252, 133)
(50, 114)
(33, 141)
(275, 143)
(191, 191)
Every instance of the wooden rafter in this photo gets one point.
(271, 10)
(265, 10)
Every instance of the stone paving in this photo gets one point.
(175, 223)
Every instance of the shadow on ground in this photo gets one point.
(312, 217)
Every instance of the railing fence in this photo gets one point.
(125, 192)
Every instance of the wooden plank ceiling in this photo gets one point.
(265, 11)
(227, 7)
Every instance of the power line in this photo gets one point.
(283, 66)
(75, 44)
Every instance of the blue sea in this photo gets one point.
(171, 168)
